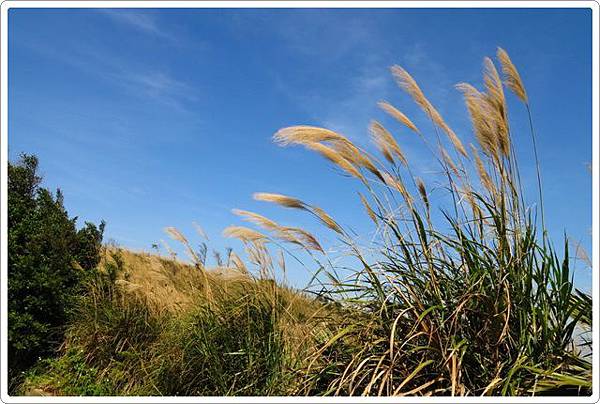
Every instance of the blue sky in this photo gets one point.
(153, 118)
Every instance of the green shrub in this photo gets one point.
(69, 374)
(48, 258)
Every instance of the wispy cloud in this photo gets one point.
(157, 85)
(311, 35)
(138, 20)
(148, 82)
(322, 35)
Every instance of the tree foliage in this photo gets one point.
(48, 260)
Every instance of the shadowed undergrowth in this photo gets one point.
(145, 327)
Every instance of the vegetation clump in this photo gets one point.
(48, 261)
(468, 297)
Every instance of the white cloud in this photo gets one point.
(140, 21)
(137, 80)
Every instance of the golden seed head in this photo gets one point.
(237, 262)
(496, 100)
(257, 219)
(326, 219)
(406, 82)
(511, 75)
(283, 200)
(336, 158)
(368, 208)
(303, 134)
(176, 235)
(243, 233)
(386, 143)
(396, 183)
(480, 118)
(484, 177)
(301, 237)
(398, 115)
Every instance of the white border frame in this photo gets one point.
(6, 5)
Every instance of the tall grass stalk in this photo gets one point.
(466, 302)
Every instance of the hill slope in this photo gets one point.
(149, 325)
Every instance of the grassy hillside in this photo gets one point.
(148, 326)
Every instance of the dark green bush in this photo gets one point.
(48, 259)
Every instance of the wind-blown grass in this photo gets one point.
(457, 294)
(477, 302)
